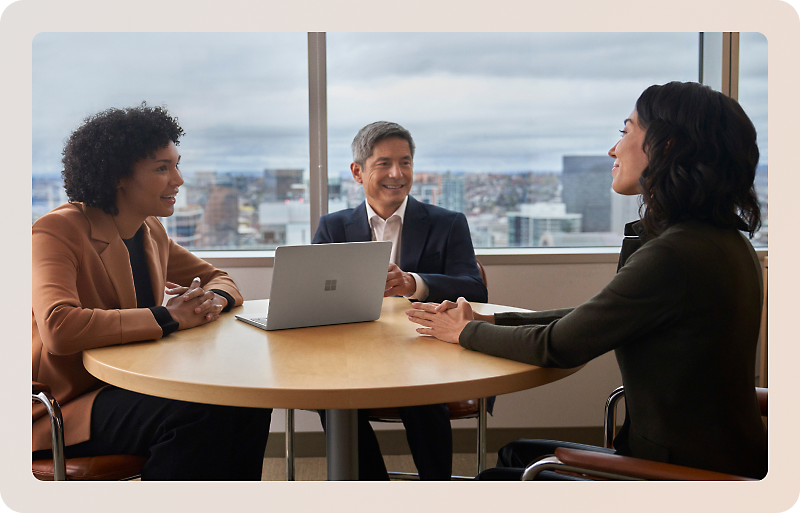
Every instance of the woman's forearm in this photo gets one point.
(483, 317)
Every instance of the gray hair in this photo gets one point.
(367, 137)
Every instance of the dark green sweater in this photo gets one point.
(682, 315)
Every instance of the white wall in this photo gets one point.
(576, 401)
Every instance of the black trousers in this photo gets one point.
(182, 440)
(514, 457)
(429, 436)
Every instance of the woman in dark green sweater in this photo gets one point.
(683, 312)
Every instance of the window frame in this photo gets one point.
(718, 67)
(718, 57)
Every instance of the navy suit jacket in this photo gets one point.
(435, 244)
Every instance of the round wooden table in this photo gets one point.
(339, 368)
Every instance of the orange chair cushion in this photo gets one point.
(94, 468)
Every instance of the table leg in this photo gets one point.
(481, 434)
(341, 440)
(289, 444)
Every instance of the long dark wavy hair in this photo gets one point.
(105, 147)
(702, 157)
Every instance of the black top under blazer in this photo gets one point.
(435, 243)
(682, 316)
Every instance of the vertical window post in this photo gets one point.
(317, 128)
(719, 65)
(730, 55)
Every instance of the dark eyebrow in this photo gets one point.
(384, 159)
(169, 160)
(627, 120)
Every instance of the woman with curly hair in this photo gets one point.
(683, 312)
(100, 267)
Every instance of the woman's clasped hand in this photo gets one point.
(192, 305)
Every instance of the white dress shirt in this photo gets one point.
(392, 229)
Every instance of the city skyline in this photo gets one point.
(491, 108)
(217, 210)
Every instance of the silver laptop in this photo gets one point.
(320, 284)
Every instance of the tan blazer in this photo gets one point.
(84, 297)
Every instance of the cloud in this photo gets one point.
(593, 56)
(473, 101)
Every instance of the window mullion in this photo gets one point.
(719, 68)
(317, 127)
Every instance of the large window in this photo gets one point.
(242, 99)
(512, 129)
(753, 99)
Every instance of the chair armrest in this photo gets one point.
(41, 393)
(610, 416)
(635, 467)
(761, 394)
(40, 387)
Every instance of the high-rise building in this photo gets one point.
(426, 193)
(278, 184)
(488, 230)
(587, 190)
(427, 188)
(219, 225)
(534, 224)
(624, 209)
(334, 187)
(284, 222)
(452, 192)
(182, 225)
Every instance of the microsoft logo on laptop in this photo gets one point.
(330, 285)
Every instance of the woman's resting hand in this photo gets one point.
(444, 321)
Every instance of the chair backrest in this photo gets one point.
(483, 272)
(610, 413)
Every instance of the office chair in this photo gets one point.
(615, 467)
(469, 409)
(118, 467)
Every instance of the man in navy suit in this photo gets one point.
(432, 260)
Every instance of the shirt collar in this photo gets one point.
(400, 212)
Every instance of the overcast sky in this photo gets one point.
(473, 101)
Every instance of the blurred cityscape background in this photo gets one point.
(247, 210)
(511, 129)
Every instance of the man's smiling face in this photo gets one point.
(387, 175)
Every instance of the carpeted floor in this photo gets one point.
(315, 469)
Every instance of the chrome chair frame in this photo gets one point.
(609, 429)
(610, 416)
(623, 467)
(42, 394)
(553, 463)
(56, 431)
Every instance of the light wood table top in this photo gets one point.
(363, 365)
